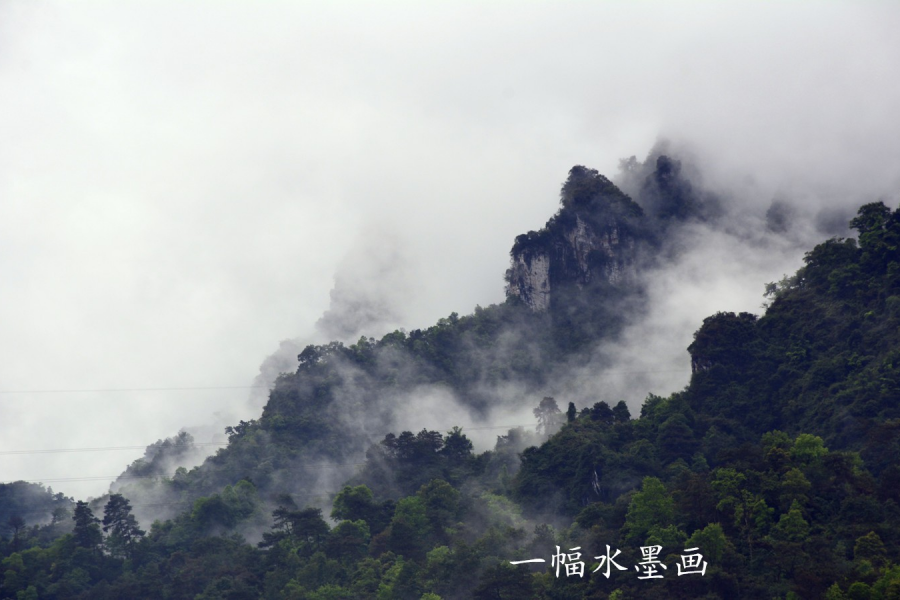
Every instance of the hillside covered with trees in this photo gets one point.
(779, 462)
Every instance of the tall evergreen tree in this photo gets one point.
(16, 523)
(87, 529)
(547, 414)
(121, 525)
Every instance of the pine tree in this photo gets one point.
(121, 525)
(16, 523)
(547, 414)
(87, 529)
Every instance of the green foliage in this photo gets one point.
(571, 412)
(121, 526)
(676, 438)
(649, 508)
(835, 593)
(30, 502)
(358, 503)
(621, 414)
(349, 540)
(232, 506)
(586, 190)
(409, 528)
(712, 540)
(442, 505)
(504, 581)
(354, 503)
(406, 462)
(859, 591)
(301, 530)
(548, 416)
(87, 527)
(794, 488)
(791, 526)
(457, 447)
(870, 547)
(780, 458)
(807, 448)
(159, 455)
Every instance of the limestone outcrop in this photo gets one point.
(591, 240)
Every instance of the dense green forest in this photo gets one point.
(779, 462)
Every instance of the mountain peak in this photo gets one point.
(591, 240)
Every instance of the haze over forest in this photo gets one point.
(184, 187)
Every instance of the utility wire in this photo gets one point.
(117, 477)
(97, 449)
(242, 387)
(315, 496)
(148, 389)
(196, 444)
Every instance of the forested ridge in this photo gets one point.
(780, 461)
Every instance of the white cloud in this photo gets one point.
(179, 183)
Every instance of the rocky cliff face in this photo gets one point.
(591, 240)
(530, 279)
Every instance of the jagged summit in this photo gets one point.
(592, 239)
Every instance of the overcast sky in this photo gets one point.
(182, 184)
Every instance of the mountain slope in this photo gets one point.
(779, 461)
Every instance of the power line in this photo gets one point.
(195, 444)
(136, 389)
(243, 387)
(315, 496)
(97, 449)
(117, 477)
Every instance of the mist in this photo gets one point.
(186, 190)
